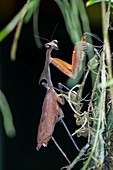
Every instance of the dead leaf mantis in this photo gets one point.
(51, 110)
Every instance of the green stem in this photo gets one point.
(105, 24)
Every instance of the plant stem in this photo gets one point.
(105, 24)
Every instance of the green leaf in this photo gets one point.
(17, 33)
(32, 7)
(9, 28)
(26, 13)
(91, 2)
(7, 116)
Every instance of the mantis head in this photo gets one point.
(52, 45)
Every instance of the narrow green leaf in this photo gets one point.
(91, 2)
(17, 33)
(12, 24)
(7, 116)
(9, 28)
(32, 8)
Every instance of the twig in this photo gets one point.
(73, 163)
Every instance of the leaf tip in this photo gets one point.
(88, 4)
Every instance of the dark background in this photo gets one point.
(19, 82)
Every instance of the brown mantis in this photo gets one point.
(51, 110)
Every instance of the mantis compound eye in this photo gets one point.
(48, 45)
(55, 42)
(53, 45)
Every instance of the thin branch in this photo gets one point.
(74, 162)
